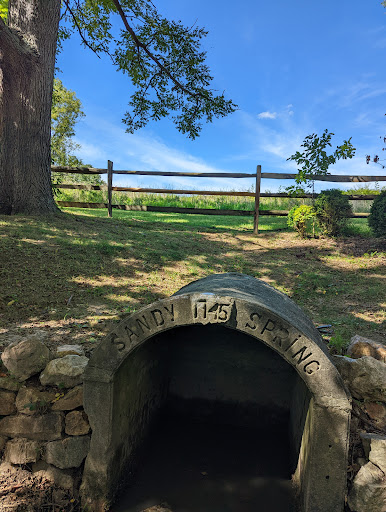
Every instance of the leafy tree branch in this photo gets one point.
(161, 57)
(314, 160)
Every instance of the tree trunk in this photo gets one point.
(27, 62)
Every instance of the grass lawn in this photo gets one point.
(72, 275)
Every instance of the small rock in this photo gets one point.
(375, 449)
(360, 347)
(9, 383)
(368, 492)
(3, 440)
(377, 412)
(41, 428)
(26, 358)
(67, 350)
(76, 423)
(66, 371)
(67, 453)
(7, 402)
(70, 401)
(365, 377)
(59, 477)
(31, 401)
(7, 469)
(22, 451)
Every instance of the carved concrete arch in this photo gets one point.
(242, 304)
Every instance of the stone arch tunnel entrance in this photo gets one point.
(242, 363)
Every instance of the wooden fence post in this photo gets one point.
(109, 187)
(257, 200)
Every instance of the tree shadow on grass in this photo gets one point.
(358, 246)
(72, 275)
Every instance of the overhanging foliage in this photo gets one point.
(162, 58)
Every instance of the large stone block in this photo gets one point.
(41, 428)
(76, 423)
(59, 477)
(368, 493)
(66, 371)
(7, 402)
(375, 449)
(377, 412)
(26, 358)
(70, 401)
(22, 451)
(31, 401)
(9, 383)
(365, 377)
(360, 347)
(67, 453)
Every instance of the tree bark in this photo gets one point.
(27, 62)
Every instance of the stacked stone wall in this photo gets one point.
(363, 370)
(43, 427)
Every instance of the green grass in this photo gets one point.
(358, 227)
(191, 221)
(75, 272)
(355, 227)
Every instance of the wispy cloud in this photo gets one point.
(91, 153)
(278, 141)
(289, 110)
(380, 43)
(376, 36)
(347, 95)
(282, 113)
(143, 152)
(267, 115)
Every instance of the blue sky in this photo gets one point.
(293, 68)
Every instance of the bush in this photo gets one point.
(332, 211)
(377, 218)
(301, 218)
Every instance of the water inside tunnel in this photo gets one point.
(221, 441)
(194, 466)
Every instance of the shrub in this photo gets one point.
(332, 211)
(377, 218)
(301, 218)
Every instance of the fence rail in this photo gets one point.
(268, 175)
(352, 197)
(258, 176)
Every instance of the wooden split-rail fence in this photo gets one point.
(257, 176)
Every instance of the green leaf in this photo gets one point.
(4, 9)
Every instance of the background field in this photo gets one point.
(215, 202)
